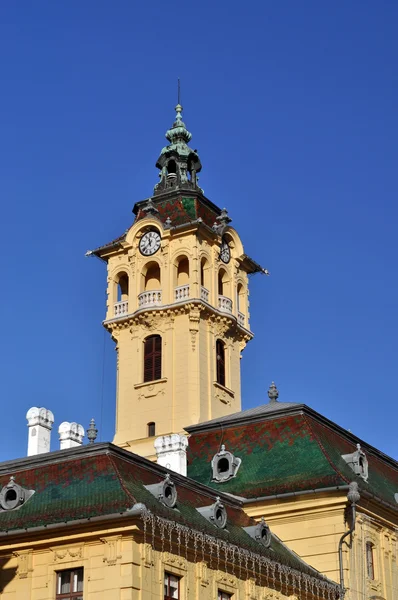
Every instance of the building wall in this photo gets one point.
(187, 391)
(118, 565)
(312, 526)
(383, 537)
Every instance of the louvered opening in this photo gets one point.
(152, 358)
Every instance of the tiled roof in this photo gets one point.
(243, 415)
(100, 480)
(179, 209)
(286, 448)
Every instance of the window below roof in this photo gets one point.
(171, 587)
(70, 584)
(223, 595)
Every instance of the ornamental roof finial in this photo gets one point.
(92, 432)
(273, 393)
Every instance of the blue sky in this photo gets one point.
(293, 108)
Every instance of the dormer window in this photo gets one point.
(12, 495)
(216, 514)
(225, 465)
(358, 462)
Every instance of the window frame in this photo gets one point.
(69, 595)
(220, 363)
(151, 429)
(167, 575)
(221, 595)
(152, 358)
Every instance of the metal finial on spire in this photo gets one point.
(179, 92)
(92, 432)
(273, 393)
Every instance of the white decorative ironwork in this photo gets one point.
(241, 319)
(153, 298)
(121, 308)
(225, 304)
(204, 294)
(181, 292)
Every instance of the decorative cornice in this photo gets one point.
(189, 306)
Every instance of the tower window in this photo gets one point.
(370, 560)
(171, 167)
(221, 283)
(151, 429)
(152, 358)
(122, 287)
(151, 276)
(70, 585)
(220, 356)
(183, 271)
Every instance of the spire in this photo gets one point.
(178, 163)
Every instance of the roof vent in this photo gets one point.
(12, 495)
(225, 465)
(358, 462)
(165, 491)
(260, 532)
(216, 514)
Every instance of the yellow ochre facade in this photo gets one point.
(312, 526)
(189, 297)
(117, 565)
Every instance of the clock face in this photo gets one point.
(225, 252)
(150, 243)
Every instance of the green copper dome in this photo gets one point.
(177, 162)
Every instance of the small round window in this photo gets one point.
(220, 515)
(169, 495)
(11, 497)
(263, 534)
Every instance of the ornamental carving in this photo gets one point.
(24, 558)
(175, 561)
(151, 391)
(112, 549)
(226, 579)
(251, 593)
(147, 555)
(67, 553)
(202, 573)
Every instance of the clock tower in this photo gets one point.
(177, 305)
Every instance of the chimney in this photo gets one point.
(40, 422)
(171, 452)
(70, 435)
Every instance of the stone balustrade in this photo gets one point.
(225, 304)
(121, 308)
(152, 298)
(204, 294)
(181, 293)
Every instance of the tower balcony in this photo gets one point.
(181, 293)
(121, 308)
(204, 294)
(148, 299)
(241, 319)
(225, 304)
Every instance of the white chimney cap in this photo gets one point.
(40, 416)
(71, 431)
